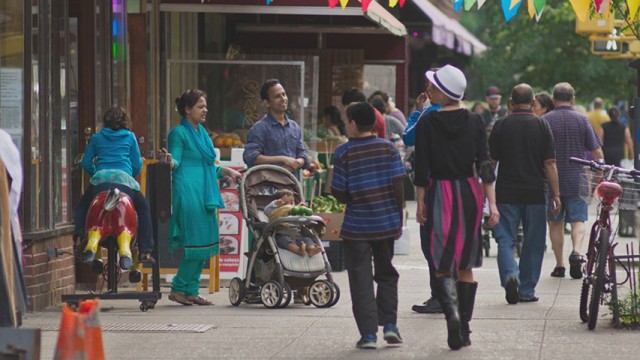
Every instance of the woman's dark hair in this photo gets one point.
(264, 90)
(188, 99)
(545, 101)
(614, 114)
(353, 95)
(116, 118)
(381, 93)
(335, 118)
(378, 103)
(363, 114)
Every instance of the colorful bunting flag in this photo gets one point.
(510, 8)
(344, 3)
(480, 3)
(581, 8)
(269, 2)
(539, 5)
(633, 6)
(469, 3)
(365, 4)
(531, 9)
(457, 5)
(393, 3)
(333, 3)
(401, 3)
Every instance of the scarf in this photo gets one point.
(212, 198)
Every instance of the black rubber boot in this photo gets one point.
(467, 299)
(448, 298)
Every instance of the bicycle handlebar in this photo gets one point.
(601, 166)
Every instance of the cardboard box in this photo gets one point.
(333, 224)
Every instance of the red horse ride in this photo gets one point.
(111, 215)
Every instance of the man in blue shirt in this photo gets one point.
(275, 139)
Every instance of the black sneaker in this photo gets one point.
(512, 292)
(431, 306)
(558, 272)
(575, 265)
(367, 341)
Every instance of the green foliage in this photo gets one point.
(542, 54)
(629, 310)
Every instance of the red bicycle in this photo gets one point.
(598, 271)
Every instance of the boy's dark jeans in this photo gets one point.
(371, 310)
(144, 232)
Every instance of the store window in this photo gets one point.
(380, 77)
(12, 69)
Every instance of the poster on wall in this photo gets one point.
(11, 103)
(232, 230)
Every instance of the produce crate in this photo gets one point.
(335, 254)
(333, 224)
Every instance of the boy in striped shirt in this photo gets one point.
(367, 176)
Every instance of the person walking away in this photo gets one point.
(423, 107)
(522, 143)
(112, 158)
(367, 176)
(356, 95)
(598, 115)
(275, 139)
(451, 147)
(495, 110)
(614, 135)
(393, 125)
(195, 201)
(573, 136)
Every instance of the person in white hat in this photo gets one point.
(450, 144)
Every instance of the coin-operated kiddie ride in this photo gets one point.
(112, 223)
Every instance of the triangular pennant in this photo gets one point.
(509, 9)
(539, 14)
(401, 3)
(598, 4)
(457, 5)
(468, 4)
(344, 3)
(633, 5)
(539, 5)
(392, 3)
(269, 2)
(581, 8)
(480, 3)
(365, 4)
(531, 9)
(333, 3)
(604, 7)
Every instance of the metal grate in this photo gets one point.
(192, 328)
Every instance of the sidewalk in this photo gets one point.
(548, 329)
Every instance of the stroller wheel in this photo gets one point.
(321, 293)
(287, 295)
(336, 294)
(271, 294)
(236, 291)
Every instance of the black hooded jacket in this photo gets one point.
(448, 145)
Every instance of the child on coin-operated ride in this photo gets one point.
(112, 158)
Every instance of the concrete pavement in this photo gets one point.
(548, 329)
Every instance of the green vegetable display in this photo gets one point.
(327, 204)
(300, 210)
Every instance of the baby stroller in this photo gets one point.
(274, 274)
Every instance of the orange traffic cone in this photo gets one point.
(80, 334)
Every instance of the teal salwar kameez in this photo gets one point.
(195, 203)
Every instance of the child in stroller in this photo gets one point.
(286, 237)
(274, 273)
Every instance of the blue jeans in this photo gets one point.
(534, 224)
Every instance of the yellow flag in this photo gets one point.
(514, 3)
(633, 5)
(581, 8)
(344, 3)
(531, 9)
(393, 3)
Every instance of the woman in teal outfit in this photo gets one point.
(196, 196)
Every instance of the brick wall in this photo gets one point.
(47, 279)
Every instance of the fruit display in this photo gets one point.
(327, 204)
(226, 140)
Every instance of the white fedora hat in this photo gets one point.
(450, 80)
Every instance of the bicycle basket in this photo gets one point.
(589, 180)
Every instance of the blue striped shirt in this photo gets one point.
(572, 135)
(365, 169)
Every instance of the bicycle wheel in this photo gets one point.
(599, 281)
(584, 300)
